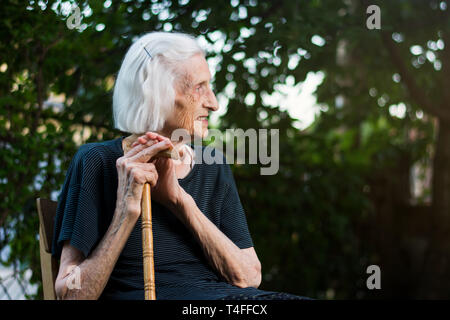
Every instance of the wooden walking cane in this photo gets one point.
(147, 244)
(146, 217)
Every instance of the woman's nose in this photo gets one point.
(211, 102)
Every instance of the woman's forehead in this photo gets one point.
(197, 69)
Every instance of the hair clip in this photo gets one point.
(147, 52)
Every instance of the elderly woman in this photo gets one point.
(203, 248)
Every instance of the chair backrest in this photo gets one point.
(49, 265)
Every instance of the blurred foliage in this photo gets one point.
(316, 224)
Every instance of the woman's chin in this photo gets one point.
(205, 133)
(202, 134)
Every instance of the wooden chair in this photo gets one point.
(49, 266)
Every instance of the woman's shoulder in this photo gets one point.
(95, 155)
(101, 148)
(213, 162)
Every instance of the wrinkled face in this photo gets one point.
(194, 99)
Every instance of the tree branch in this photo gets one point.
(59, 117)
(39, 80)
(414, 90)
(445, 59)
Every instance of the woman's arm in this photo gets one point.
(95, 270)
(239, 267)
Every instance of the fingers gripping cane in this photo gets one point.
(147, 230)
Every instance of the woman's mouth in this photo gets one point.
(204, 120)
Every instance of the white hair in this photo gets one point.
(144, 92)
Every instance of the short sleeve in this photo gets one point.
(233, 221)
(78, 214)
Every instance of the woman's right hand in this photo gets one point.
(134, 170)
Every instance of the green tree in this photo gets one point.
(315, 224)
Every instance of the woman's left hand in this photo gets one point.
(167, 190)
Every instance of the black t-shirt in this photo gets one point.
(86, 206)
